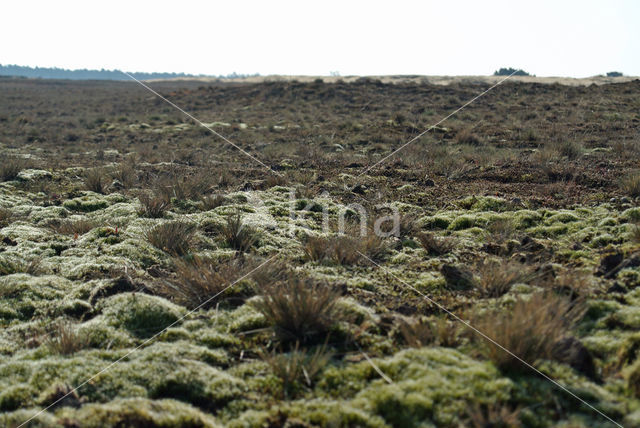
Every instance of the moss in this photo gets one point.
(142, 315)
(87, 203)
(435, 222)
(139, 412)
(484, 203)
(429, 384)
(15, 396)
(463, 222)
(526, 218)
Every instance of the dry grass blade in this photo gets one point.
(174, 237)
(530, 329)
(299, 310)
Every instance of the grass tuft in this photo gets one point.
(174, 237)
(299, 310)
(529, 329)
(296, 368)
(238, 235)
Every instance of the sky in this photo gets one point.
(545, 38)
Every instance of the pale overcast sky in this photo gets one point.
(546, 38)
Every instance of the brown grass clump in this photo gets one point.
(11, 167)
(494, 278)
(152, 205)
(238, 235)
(344, 249)
(296, 368)
(423, 332)
(436, 246)
(211, 202)
(530, 329)
(570, 149)
(95, 180)
(174, 237)
(5, 216)
(465, 136)
(65, 339)
(72, 227)
(126, 175)
(182, 186)
(199, 280)
(299, 309)
(493, 415)
(630, 185)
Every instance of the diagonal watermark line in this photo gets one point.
(204, 125)
(457, 318)
(145, 342)
(471, 101)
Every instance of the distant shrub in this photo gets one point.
(507, 71)
(299, 310)
(530, 329)
(173, 237)
(614, 74)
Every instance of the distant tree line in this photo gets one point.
(509, 71)
(84, 74)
